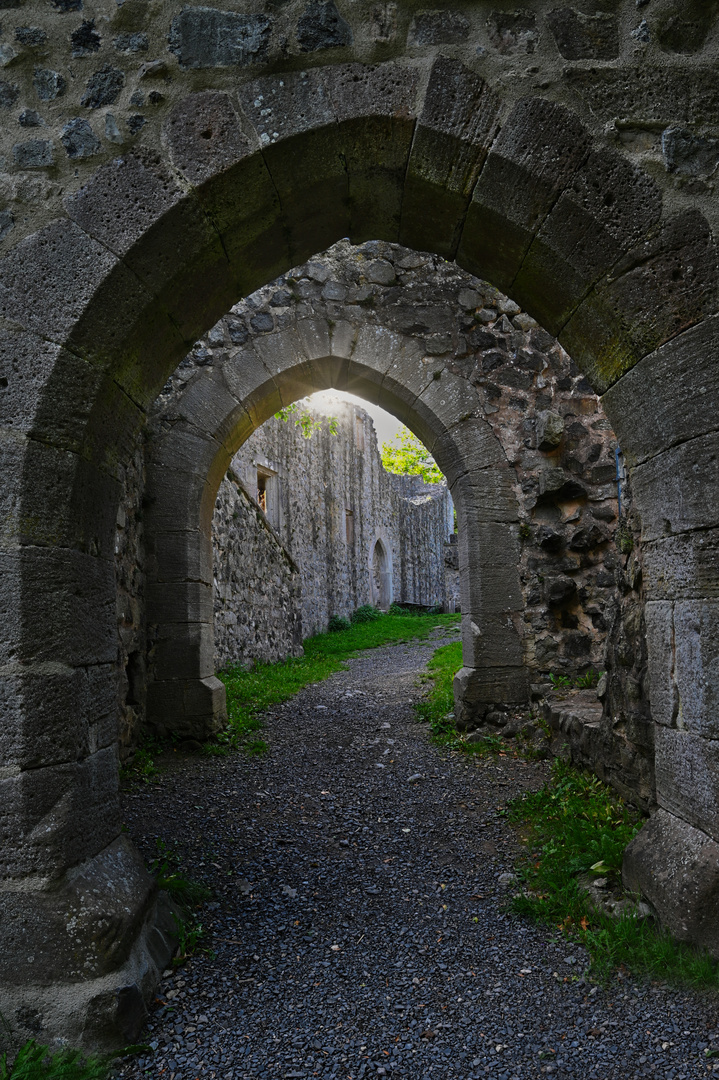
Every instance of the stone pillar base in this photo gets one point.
(676, 868)
(187, 708)
(81, 958)
(476, 690)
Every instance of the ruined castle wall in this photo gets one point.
(257, 585)
(328, 500)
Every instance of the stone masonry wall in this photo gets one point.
(82, 81)
(328, 501)
(257, 584)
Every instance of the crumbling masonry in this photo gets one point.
(159, 164)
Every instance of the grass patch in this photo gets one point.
(249, 693)
(575, 823)
(36, 1062)
(142, 767)
(437, 708)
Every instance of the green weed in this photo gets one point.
(166, 868)
(337, 623)
(365, 613)
(437, 708)
(142, 767)
(250, 693)
(572, 825)
(36, 1062)
(581, 682)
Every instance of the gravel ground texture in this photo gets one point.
(359, 880)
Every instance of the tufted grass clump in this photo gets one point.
(36, 1062)
(437, 708)
(575, 825)
(250, 692)
(365, 613)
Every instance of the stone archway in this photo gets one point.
(220, 408)
(99, 305)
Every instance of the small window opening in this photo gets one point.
(349, 528)
(359, 433)
(262, 492)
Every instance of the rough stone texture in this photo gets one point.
(203, 37)
(615, 293)
(682, 886)
(257, 586)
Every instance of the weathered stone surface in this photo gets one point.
(584, 37)
(683, 567)
(459, 119)
(438, 28)
(513, 32)
(33, 154)
(48, 84)
(550, 428)
(674, 866)
(533, 158)
(687, 771)
(43, 822)
(689, 154)
(79, 139)
(684, 660)
(204, 37)
(103, 88)
(669, 396)
(606, 209)
(688, 480)
(657, 290)
(322, 27)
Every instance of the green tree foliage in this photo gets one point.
(410, 458)
(299, 412)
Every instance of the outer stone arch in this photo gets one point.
(220, 409)
(99, 306)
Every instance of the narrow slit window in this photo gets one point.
(262, 492)
(349, 528)
(359, 433)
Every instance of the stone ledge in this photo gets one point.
(581, 735)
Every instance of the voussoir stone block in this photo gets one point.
(376, 108)
(459, 119)
(606, 208)
(295, 122)
(658, 289)
(136, 208)
(216, 148)
(675, 866)
(530, 162)
(48, 279)
(670, 395)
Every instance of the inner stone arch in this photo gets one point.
(480, 385)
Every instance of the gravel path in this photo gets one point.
(357, 913)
